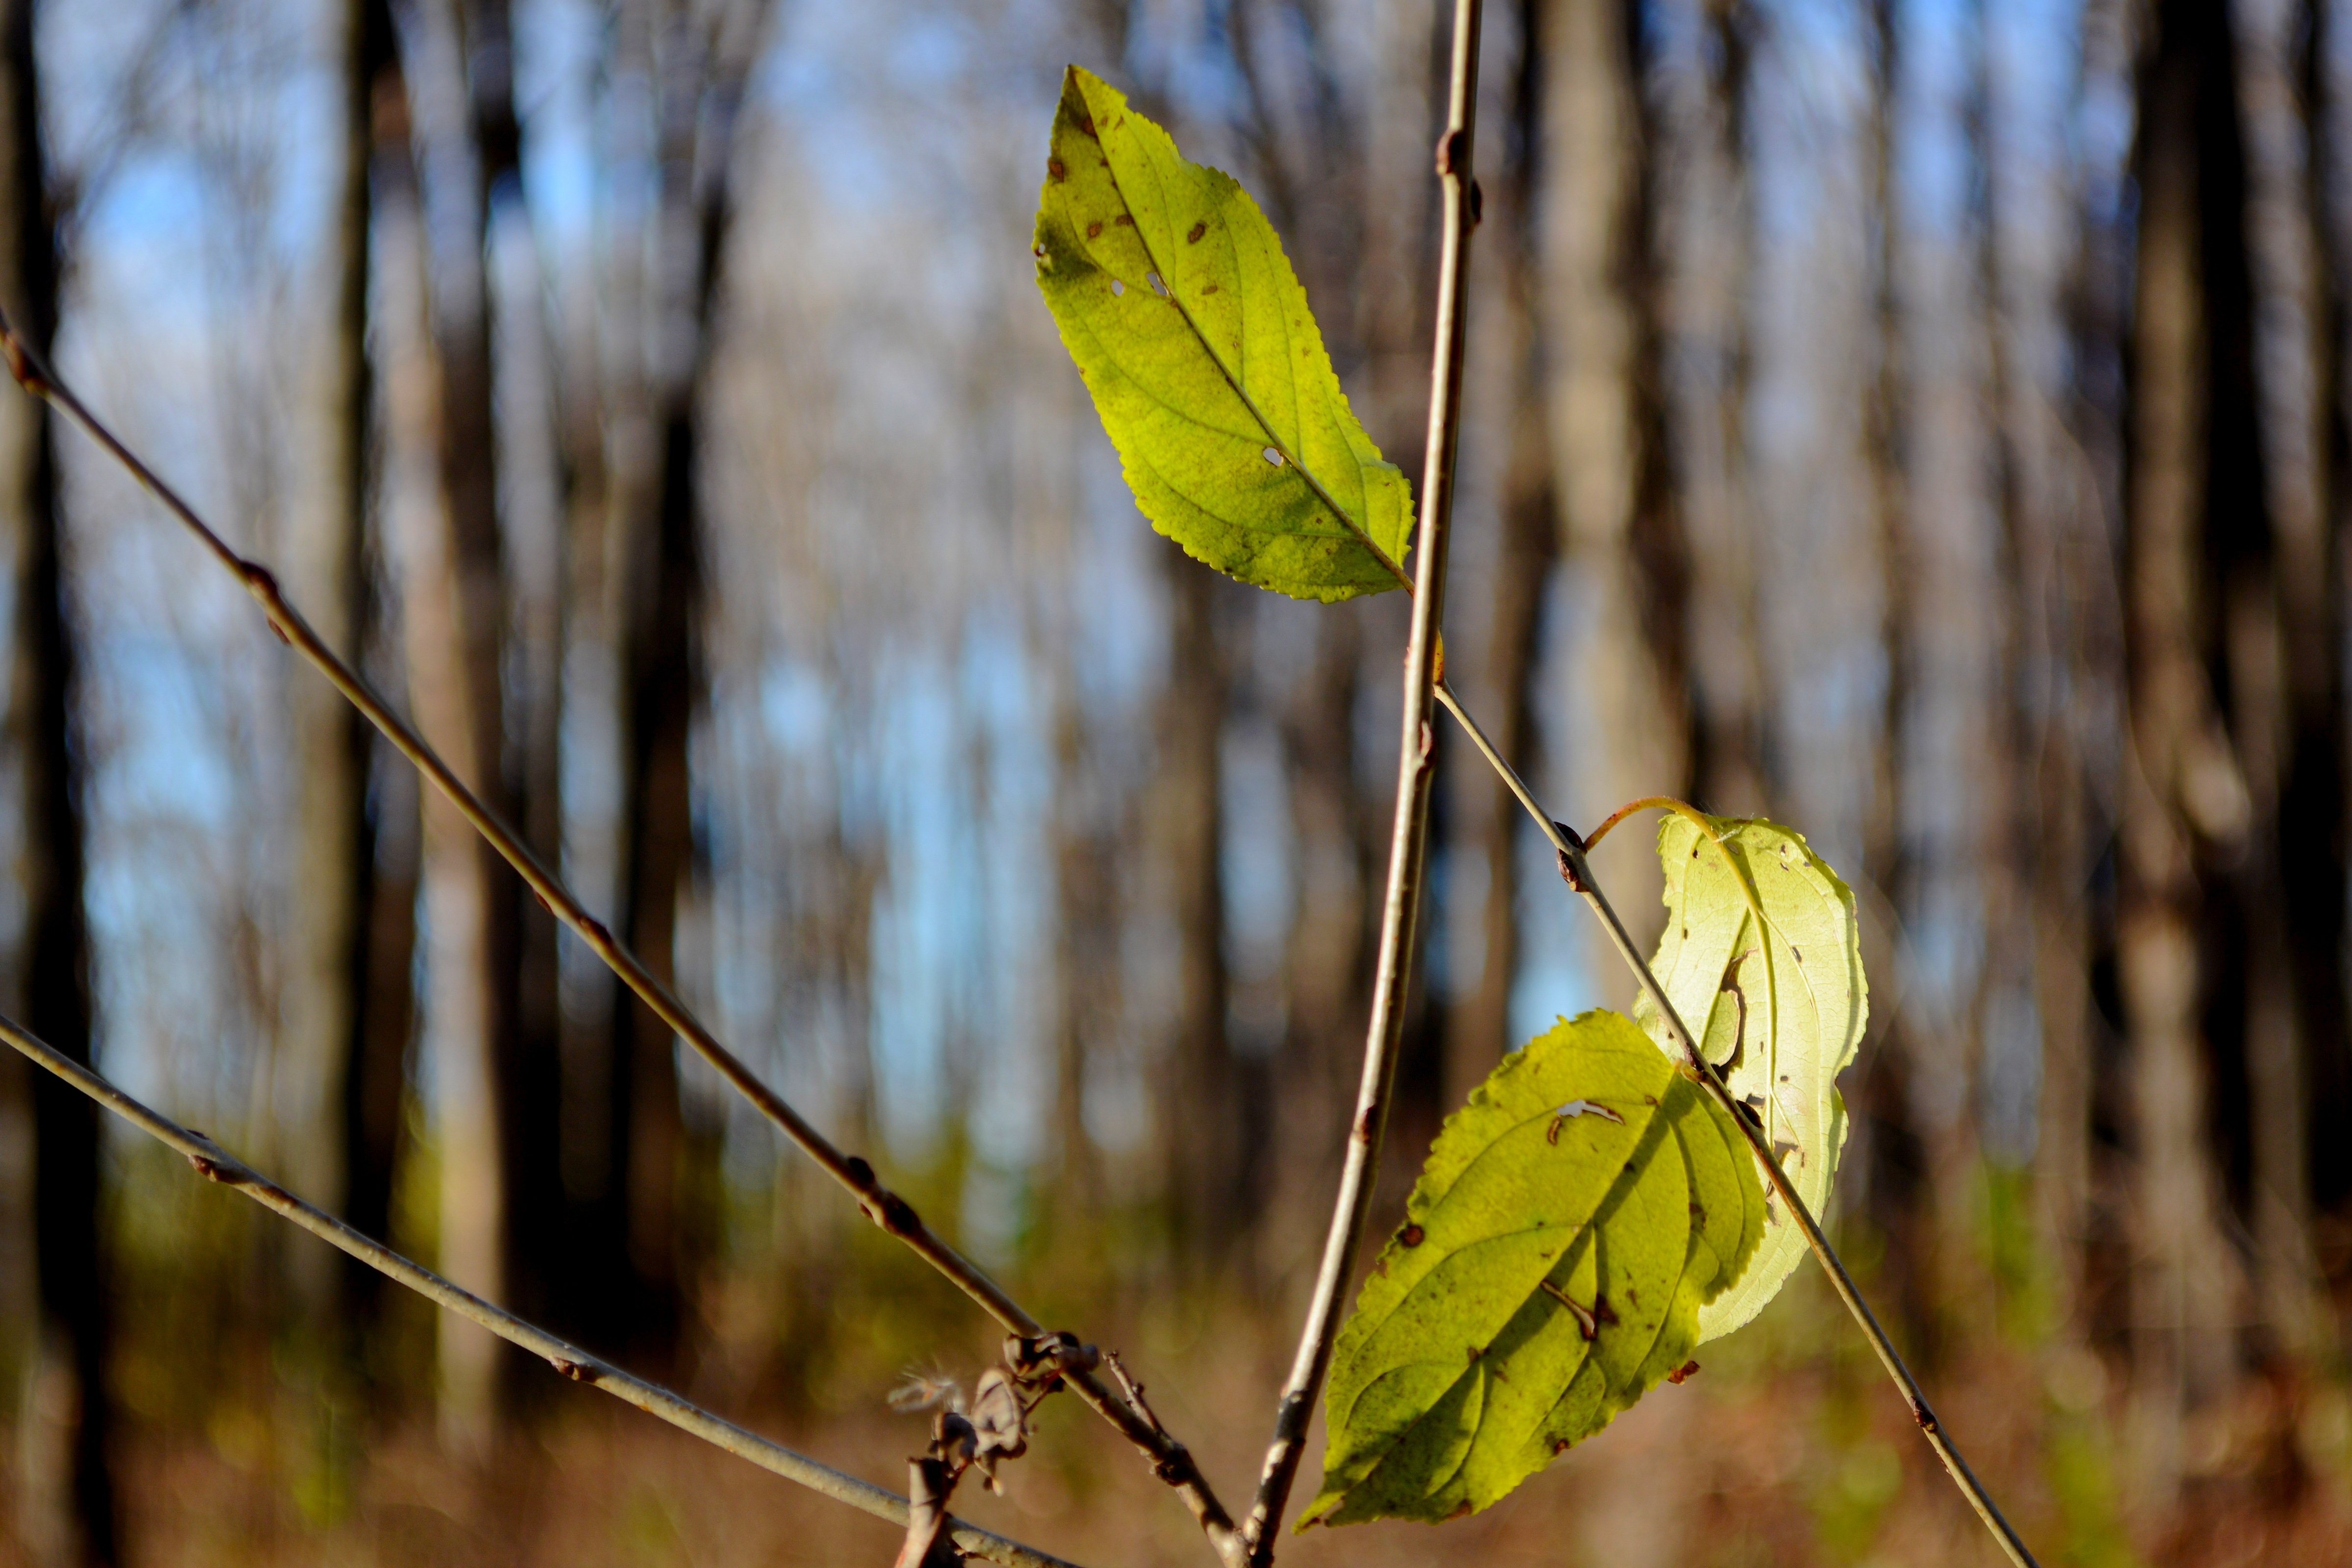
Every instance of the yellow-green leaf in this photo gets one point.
(1572, 1221)
(1174, 297)
(1780, 1012)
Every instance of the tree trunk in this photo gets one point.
(459, 1012)
(2285, 688)
(70, 1502)
(1700, 109)
(1591, 252)
(2186, 1292)
(701, 75)
(322, 564)
(1199, 1112)
(376, 1086)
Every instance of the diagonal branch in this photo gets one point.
(216, 1165)
(1169, 1458)
(1409, 841)
(1579, 876)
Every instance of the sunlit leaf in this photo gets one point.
(1572, 1220)
(1781, 1014)
(1174, 297)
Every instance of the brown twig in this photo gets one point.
(1170, 1459)
(1571, 850)
(1409, 839)
(216, 1165)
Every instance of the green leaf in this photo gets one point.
(1174, 297)
(1781, 1016)
(1570, 1223)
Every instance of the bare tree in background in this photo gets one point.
(320, 1064)
(2183, 789)
(63, 1459)
(1593, 271)
(695, 62)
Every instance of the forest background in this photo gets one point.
(1923, 421)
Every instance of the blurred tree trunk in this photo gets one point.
(2063, 520)
(2085, 1162)
(1328, 958)
(1089, 927)
(376, 1086)
(698, 66)
(1592, 263)
(2328, 76)
(323, 566)
(1199, 1112)
(472, 144)
(69, 1495)
(1886, 1171)
(1704, 244)
(2186, 1289)
(458, 1014)
(2285, 683)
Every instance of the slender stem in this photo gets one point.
(216, 1165)
(1169, 1458)
(1579, 873)
(1409, 840)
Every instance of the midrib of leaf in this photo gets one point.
(1265, 426)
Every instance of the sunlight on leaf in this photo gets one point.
(1781, 1016)
(1572, 1220)
(1174, 296)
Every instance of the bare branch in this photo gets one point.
(1171, 1460)
(1579, 873)
(216, 1165)
(1409, 840)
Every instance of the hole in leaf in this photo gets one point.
(1274, 457)
(1117, 288)
(1158, 287)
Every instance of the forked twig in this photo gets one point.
(1571, 855)
(1409, 839)
(1171, 1460)
(216, 1165)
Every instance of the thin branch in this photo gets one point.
(1409, 840)
(1579, 873)
(216, 1165)
(1171, 1460)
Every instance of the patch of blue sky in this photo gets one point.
(1257, 851)
(1553, 978)
(557, 44)
(1936, 169)
(1012, 1056)
(923, 951)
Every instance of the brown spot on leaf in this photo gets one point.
(1094, 231)
(1603, 1313)
(1197, 230)
(1682, 1373)
(1210, 289)
(1123, 220)
(1460, 1509)
(1055, 171)
(1411, 1235)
